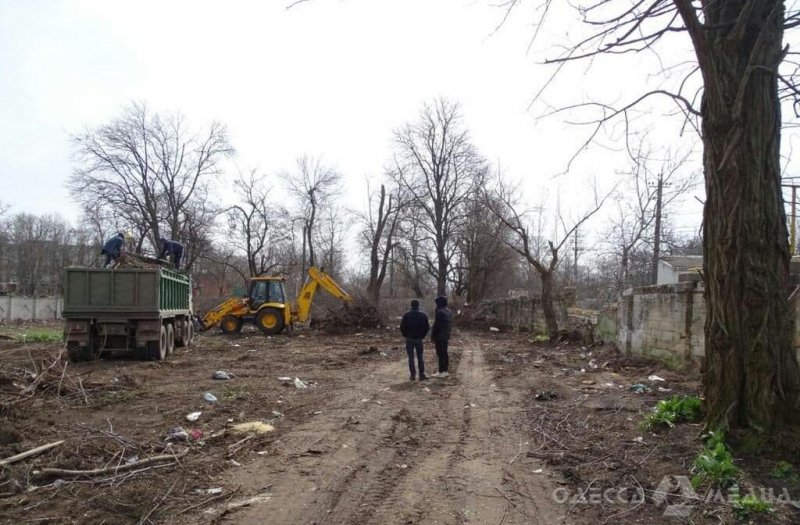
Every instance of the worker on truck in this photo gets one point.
(173, 249)
(113, 248)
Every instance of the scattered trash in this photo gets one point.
(209, 397)
(276, 413)
(132, 459)
(537, 471)
(545, 395)
(196, 434)
(378, 402)
(298, 383)
(219, 374)
(609, 385)
(655, 378)
(236, 345)
(403, 466)
(234, 463)
(593, 365)
(494, 329)
(427, 389)
(318, 412)
(587, 382)
(257, 427)
(194, 416)
(364, 400)
(114, 380)
(262, 452)
(209, 492)
(639, 439)
(177, 434)
(284, 379)
(583, 370)
(662, 389)
(639, 388)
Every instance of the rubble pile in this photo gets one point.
(349, 318)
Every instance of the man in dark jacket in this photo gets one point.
(173, 248)
(414, 326)
(112, 248)
(440, 335)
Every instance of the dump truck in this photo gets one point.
(147, 311)
(266, 307)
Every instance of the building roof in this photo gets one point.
(682, 261)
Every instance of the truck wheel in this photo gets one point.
(230, 325)
(170, 339)
(157, 350)
(270, 320)
(185, 335)
(74, 352)
(189, 333)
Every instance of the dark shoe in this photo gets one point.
(412, 378)
(422, 378)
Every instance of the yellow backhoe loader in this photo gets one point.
(266, 307)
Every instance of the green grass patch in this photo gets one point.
(714, 465)
(668, 412)
(540, 338)
(35, 335)
(785, 470)
(750, 506)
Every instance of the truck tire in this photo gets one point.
(189, 331)
(230, 324)
(185, 336)
(170, 338)
(270, 320)
(157, 350)
(74, 352)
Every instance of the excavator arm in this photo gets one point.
(316, 278)
(231, 306)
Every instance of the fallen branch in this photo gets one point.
(158, 504)
(29, 453)
(47, 472)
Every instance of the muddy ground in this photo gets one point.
(521, 433)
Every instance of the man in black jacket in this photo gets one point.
(414, 326)
(440, 335)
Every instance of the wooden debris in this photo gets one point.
(29, 453)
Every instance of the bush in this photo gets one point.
(715, 465)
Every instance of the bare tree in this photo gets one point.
(334, 224)
(255, 224)
(379, 227)
(637, 202)
(751, 374)
(147, 169)
(485, 260)
(313, 185)
(505, 205)
(440, 168)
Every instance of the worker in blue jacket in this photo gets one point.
(173, 249)
(113, 248)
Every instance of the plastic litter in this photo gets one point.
(221, 375)
(545, 395)
(662, 389)
(255, 427)
(209, 492)
(209, 397)
(284, 379)
(639, 388)
(655, 378)
(196, 434)
(177, 434)
(299, 383)
(194, 416)
(276, 413)
(494, 329)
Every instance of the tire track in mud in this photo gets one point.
(386, 452)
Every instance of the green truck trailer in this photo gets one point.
(147, 311)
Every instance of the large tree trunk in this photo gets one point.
(751, 375)
(548, 294)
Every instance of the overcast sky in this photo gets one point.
(331, 78)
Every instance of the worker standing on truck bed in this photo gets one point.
(113, 248)
(172, 248)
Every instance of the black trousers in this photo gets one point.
(441, 353)
(413, 345)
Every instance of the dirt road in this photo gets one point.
(392, 451)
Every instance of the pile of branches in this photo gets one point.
(133, 260)
(350, 318)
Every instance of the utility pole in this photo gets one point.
(575, 260)
(657, 236)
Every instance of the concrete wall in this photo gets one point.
(14, 307)
(668, 322)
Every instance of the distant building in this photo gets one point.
(670, 266)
